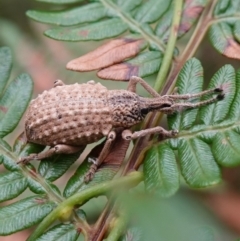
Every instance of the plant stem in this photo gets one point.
(118, 227)
(198, 35)
(167, 59)
(130, 180)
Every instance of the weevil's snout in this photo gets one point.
(155, 105)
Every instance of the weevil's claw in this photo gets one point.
(174, 133)
(26, 159)
(90, 174)
(93, 160)
(23, 160)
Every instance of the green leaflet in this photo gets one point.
(35, 186)
(197, 163)
(224, 33)
(226, 7)
(11, 185)
(190, 80)
(225, 147)
(161, 171)
(13, 99)
(54, 167)
(151, 10)
(217, 112)
(147, 63)
(222, 38)
(24, 214)
(96, 31)
(76, 182)
(14, 102)
(190, 14)
(60, 232)
(5, 68)
(128, 5)
(89, 13)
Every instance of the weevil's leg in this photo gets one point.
(128, 135)
(104, 152)
(58, 149)
(181, 106)
(190, 96)
(58, 82)
(133, 82)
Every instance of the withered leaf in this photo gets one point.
(114, 51)
(144, 64)
(222, 38)
(122, 72)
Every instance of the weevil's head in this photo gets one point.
(125, 107)
(128, 109)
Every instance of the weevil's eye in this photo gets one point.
(144, 111)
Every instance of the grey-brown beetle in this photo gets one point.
(67, 117)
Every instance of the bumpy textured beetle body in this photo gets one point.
(67, 117)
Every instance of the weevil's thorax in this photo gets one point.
(125, 107)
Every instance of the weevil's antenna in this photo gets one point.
(187, 105)
(191, 96)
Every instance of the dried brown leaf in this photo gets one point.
(108, 54)
(121, 72)
(232, 49)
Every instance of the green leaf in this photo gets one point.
(60, 1)
(226, 8)
(7, 157)
(147, 63)
(11, 185)
(14, 102)
(95, 31)
(234, 112)
(215, 139)
(190, 80)
(217, 112)
(161, 171)
(54, 167)
(151, 10)
(129, 5)
(197, 163)
(191, 12)
(35, 186)
(5, 68)
(89, 13)
(76, 182)
(225, 147)
(222, 38)
(24, 214)
(60, 232)
(9, 163)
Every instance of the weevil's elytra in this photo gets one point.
(67, 117)
(69, 114)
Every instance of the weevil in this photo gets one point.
(68, 117)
